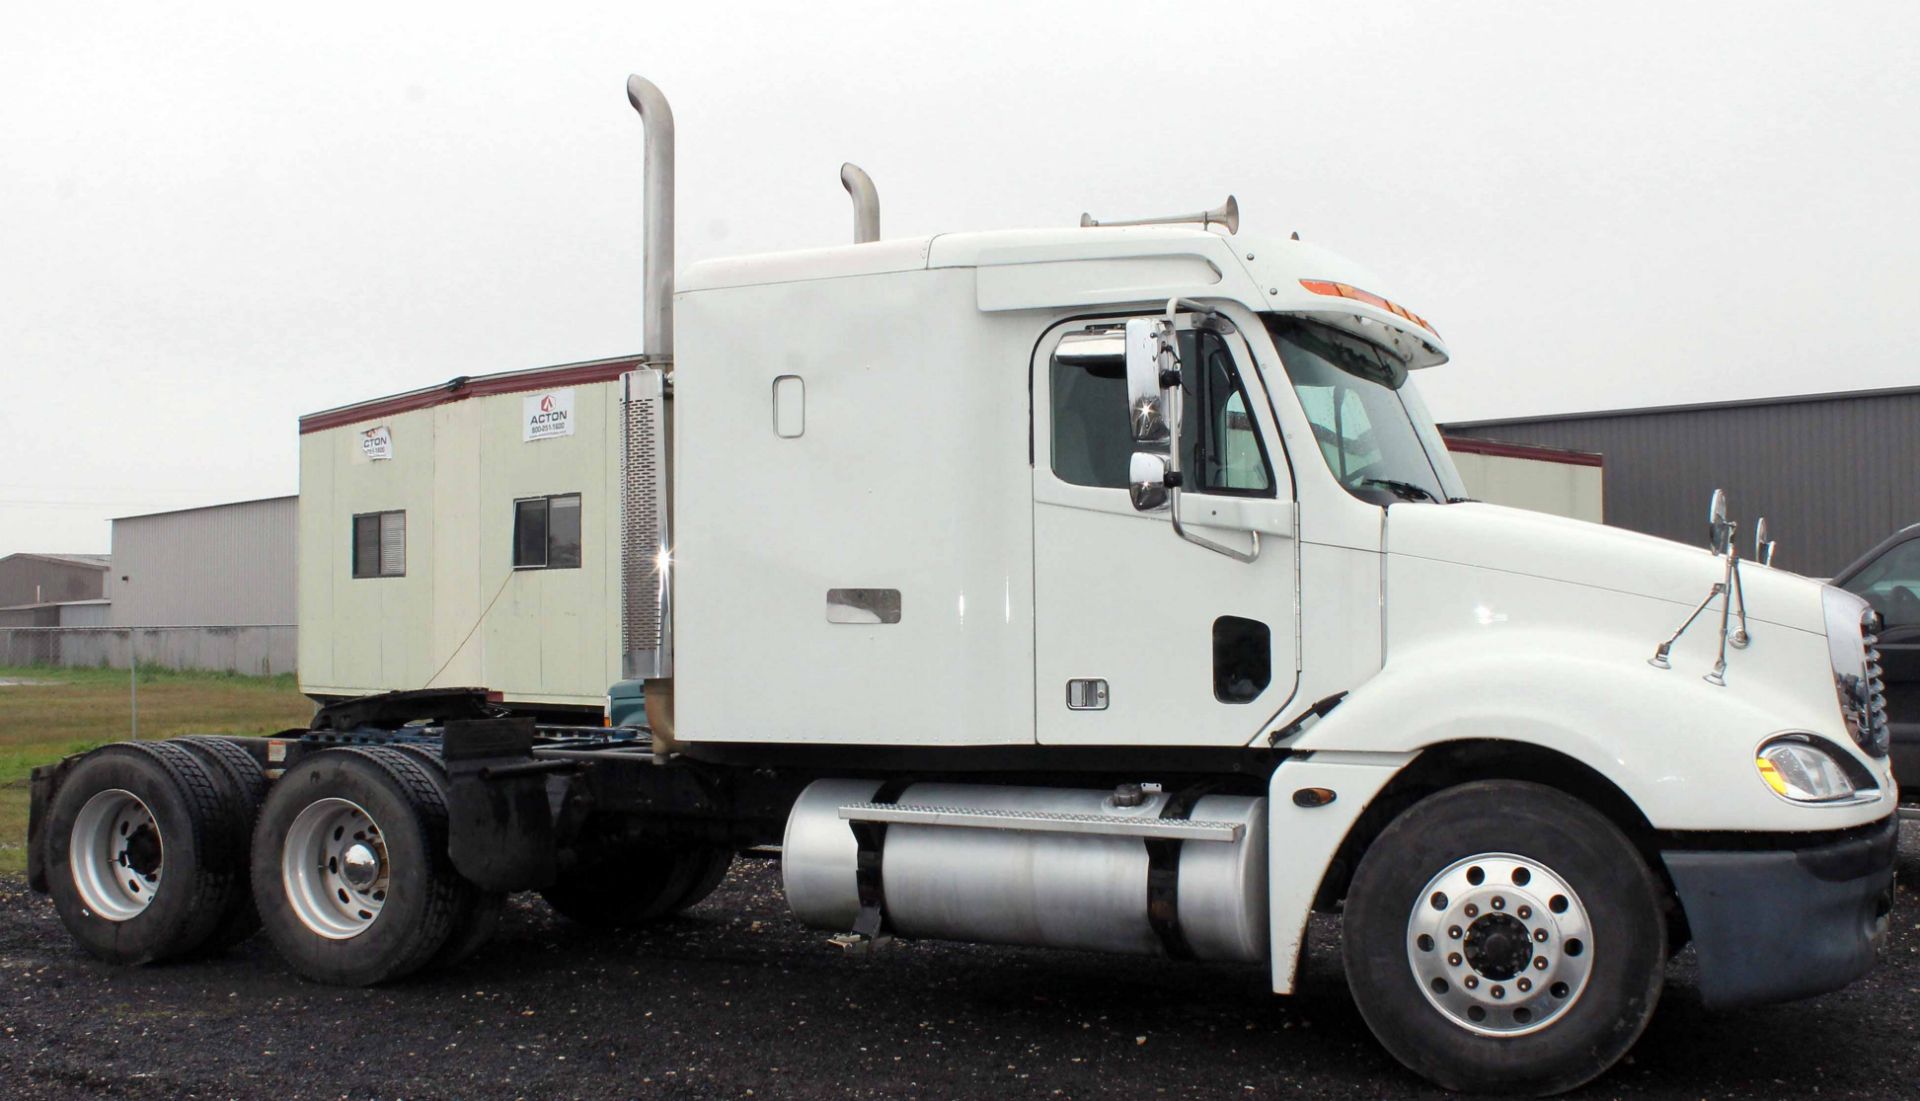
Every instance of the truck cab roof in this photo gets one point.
(1117, 266)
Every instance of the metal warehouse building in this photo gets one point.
(214, 584)
(1832, 473)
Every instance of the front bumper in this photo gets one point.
(1777, 924)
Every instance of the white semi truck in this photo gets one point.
(1105, 587)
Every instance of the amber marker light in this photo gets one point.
(1347, 290)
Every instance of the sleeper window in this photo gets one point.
(380, 544)
(546, 533)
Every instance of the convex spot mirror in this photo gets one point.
(1719, 528)
(1763, 542)
(1147, 481)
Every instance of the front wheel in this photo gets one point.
(1504, 937)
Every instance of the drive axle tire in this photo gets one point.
(477, 914)
(144, 855)
(244, 785)
(350, 866)
(1504, 937)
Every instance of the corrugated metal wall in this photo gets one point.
(31, 579)
(1833, 474)
(226, 565)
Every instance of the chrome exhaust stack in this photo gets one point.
(866, 203)
(658, 303)
(646, 505)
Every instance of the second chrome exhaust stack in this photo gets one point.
(866, 203)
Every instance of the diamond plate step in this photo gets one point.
(1040, 821)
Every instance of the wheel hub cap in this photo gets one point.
(1500, 944)
(334, 868)
(115, 854)
(359, 866)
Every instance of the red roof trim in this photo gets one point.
(460, 389)
(1538, 453)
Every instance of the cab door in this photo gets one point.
(1143, 637)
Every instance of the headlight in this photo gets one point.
(1803, 772)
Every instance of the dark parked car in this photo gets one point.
(1888, 577)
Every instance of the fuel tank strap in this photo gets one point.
(871, 837)
(1163, 874)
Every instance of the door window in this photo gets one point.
(1220, 449)
(1220, 446)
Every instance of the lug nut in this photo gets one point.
(1524, 912)
(1472, 910)
(1539, 963)
(1470, 982)
(1455, 933)
(1499, 903)
(1498, 991)
(1525, 984)
(1453, 958)
(1540, 935)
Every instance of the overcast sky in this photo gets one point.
(216, 217)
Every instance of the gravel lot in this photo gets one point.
(737, 1000)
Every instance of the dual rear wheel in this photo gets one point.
(171, 849)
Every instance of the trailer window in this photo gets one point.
(380, 544)
(546, 533)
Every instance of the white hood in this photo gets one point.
(1579, 553)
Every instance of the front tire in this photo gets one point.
(350, 867)
(1504, 937)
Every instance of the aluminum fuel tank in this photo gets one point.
(1011, 886)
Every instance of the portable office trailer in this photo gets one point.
(1545, 479)
(463, 535)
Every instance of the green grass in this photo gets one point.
(79, 709)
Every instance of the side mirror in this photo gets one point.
(1150, 360)
(1147, 481)
(1719, 528)
(1763, 542)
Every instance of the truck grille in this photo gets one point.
(1863, 699)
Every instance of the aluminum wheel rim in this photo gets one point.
(334, 868)
(1468, 932)
(115, 854)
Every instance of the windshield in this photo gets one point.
(1373, 430)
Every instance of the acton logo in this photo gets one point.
(544, 416)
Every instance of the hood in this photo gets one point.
(1579, 553)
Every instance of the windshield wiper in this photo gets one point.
(1406, 491)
